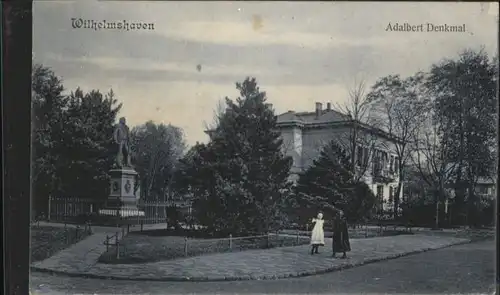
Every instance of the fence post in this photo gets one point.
(123, 232)
(307, 226)
(128, 228)
(185, 246)
(65, 209)
(48, 210)
(142, 225)
(366, 230)
(297, 237)
(76, 232)
(107, 243)
(117, 246)
(230, 241)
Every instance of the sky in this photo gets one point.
(300, 53)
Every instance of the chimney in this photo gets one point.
(328, 106)
(319, 107)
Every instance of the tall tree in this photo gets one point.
(401, 105)
(330, 183)
(249, 173)
(465, 91)
(48, 104)
(432, 143)
(72, 139)
(157, 150)
(86, 143)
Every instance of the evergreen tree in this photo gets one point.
(246, 172)
(197, 178)
(329, 183)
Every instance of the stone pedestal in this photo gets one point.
(122, 201)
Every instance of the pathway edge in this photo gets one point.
(248, 277)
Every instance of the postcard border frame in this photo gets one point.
(16, 137)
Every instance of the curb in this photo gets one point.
(248, 277)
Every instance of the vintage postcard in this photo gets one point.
(264, 147)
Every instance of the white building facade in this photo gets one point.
(306, 133)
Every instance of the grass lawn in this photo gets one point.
(136, 248)
(46, 241)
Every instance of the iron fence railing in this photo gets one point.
(178, 247)
(65, 208)
(114, 241)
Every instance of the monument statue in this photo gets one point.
(122, 139)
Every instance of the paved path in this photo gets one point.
(78, 258)
(82, 256)
(254, 264)
(462, 269)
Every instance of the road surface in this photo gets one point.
(459, 269)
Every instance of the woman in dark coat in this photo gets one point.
(340, 235)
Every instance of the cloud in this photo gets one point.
(109, 63)
(272, 64)
(245, 34)
(299, 52)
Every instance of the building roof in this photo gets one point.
(326, 116)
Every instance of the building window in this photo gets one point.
(396, 165)
(366, 156)
(380, 197)
(391, 194)
(377, 163)
(391, 165)
(359, 159)
(482, 190)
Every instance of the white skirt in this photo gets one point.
(318, 235)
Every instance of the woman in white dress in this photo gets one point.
(318, 235)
